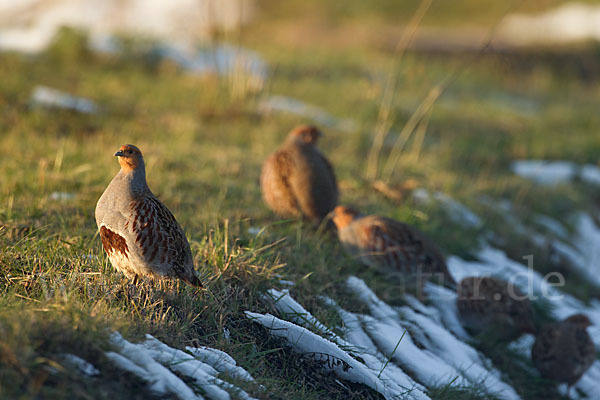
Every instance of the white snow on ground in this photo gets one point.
(545, 172)
(204, 375)
(277, 103)
(582, 250)
(30, 25)
(444, 305)
(584, 253)
(494, 262)
(176, 26)
(85, 367)
(590, 174)
(455, 210)
(552, 225)
(155, 363)
(291, 309)
(359, 344)
(46, 97)
(222, 59)
(444, 356)
(570, 22)
(220, 361)
(555, 172)
(341, 363)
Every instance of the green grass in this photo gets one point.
(204, 147)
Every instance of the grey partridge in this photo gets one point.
(381, 242)
(139, 234)
(495, 308)
(297, 180)
(564, 351)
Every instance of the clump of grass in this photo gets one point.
(34, 342)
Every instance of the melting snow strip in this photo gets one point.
(444, 358)
(455, 210)
(82, 365)
(555, 172)
(292, 310)
(585, 252)
(334, 358)
(220, 361)
(357, 342)
(494, 262)
(46, 97)
(152, 361)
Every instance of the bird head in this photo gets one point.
(306, 134)
(343, 216)
(579, 320)
(130, 157)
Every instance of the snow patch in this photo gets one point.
(155, 362)
(555, 172)
(335, 359)
(220, 361)
(494, 262)
(292, 310)
(455, 210)
(587, 243)
(32, 24)
(444, 356)
(545, 172)
(61, 196)
(570, 22)
(45, 97)
(590, 174)
(83, 366)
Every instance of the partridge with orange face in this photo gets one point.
(297, 180)
(139, 234)
(564, 351)
(381, 242)
(493, 307)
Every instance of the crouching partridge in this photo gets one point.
(297, 180)
(384, 243)
(491, 306)
(564, 351)
(139, 234)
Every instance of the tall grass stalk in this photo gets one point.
(385, 118)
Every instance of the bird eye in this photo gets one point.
(129, 151)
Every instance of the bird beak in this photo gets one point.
(119, 153)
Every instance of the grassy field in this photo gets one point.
(204, 143)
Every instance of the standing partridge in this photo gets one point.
(297, 180)
(139, 234)
(563, 351)
(489, 305)
(381, 242)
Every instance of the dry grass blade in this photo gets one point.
(385, 118)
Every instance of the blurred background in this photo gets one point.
(476, 121)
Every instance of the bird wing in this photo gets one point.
(275, 183)
(544, 349)
(161, 239)
(383, 246)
